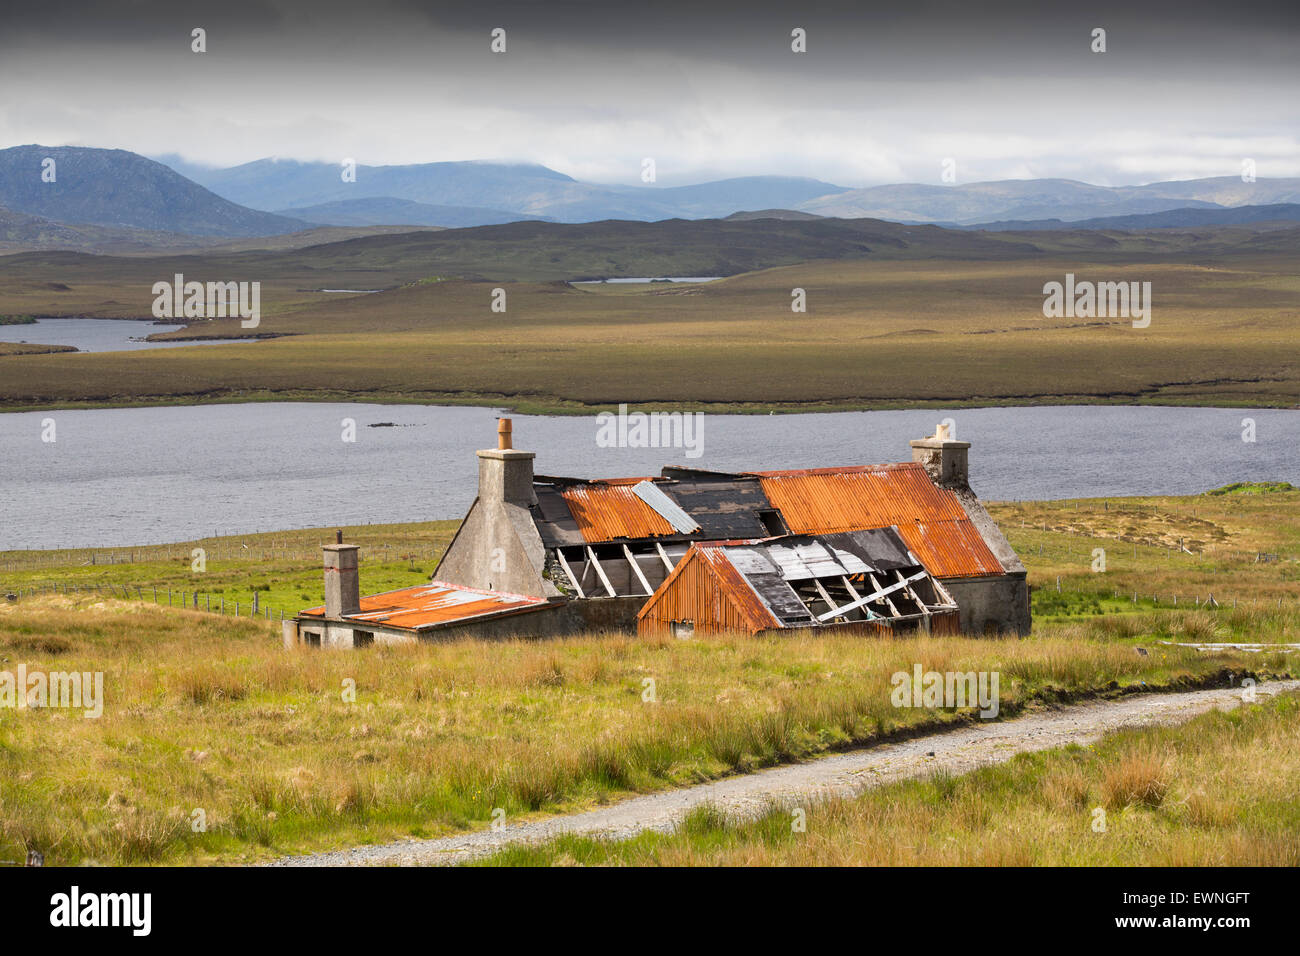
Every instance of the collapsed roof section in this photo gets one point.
(428, 607)
(573, 511)
(800, 581)
(931, 520)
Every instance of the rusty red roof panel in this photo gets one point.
(607, 511)
(930, 519)
(744, 599)
(436, 603)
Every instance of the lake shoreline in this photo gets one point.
(88, 335)
(562, 407)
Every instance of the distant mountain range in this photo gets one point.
(116, 188)
(526, 191)
(1040, 199)
(107, 198)
(531, 191)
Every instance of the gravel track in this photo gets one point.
(956, 751)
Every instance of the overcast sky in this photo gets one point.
(882, 95)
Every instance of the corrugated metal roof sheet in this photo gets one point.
(723, 509)
(930, 519)
(809, 559)
(605, 511)
(668, 509)
(817, 501)
(873, 549)
(744, 598)
(436, 603)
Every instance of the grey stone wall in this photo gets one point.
(997, 604)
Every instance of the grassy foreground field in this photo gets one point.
(209, 713)
(1217, 791)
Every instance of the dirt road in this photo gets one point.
(956, 751)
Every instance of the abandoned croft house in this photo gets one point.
(869, 548)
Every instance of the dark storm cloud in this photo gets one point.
(934, 32)
(883, 93)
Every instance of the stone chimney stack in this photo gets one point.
(342, 580)
(944, 458)
(505, 474)
(498, 546)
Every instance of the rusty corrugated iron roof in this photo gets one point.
(434, 604)
(744, 598)
(746, 607)
(610, 510)
(930, 519)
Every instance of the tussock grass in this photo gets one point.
(207, 683)
(1136, 778)
(1217, 791)
(210, 713)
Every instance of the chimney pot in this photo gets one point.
(504, 473)
(338, 537)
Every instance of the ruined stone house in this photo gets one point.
(867, 548)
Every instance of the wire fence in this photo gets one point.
(33, 561)
(191, 600)
(218, 604)
(1131, 547)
